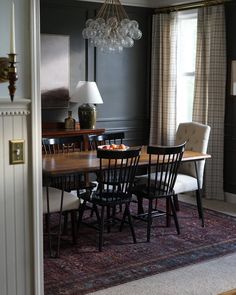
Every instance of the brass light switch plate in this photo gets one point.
(16, 149)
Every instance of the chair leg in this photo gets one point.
(108, 219)
(65, 226)
(130, 223)
(81, 213)
(51, 252)
(91, 213)
(101, 230)
(149, 220)
(48, 228)
(198, 195)
(123, 219)
(140, 205)
(168, 212)
(156, 204)
(199, 206)
(176, 202)
(95, 209)
(174, 215)
(59, 236)
(73, 225)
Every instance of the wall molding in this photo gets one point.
(125, 129)
(19, 107)
(112, 119)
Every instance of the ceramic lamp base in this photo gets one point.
(87, 116)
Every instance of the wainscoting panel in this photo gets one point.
(15, 221)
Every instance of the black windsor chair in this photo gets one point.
(163, 167)
(115, 181)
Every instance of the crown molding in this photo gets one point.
(147, 3)
(139, 3)
(19, 107)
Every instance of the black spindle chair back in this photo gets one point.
(163, 164)
(117, 178)
(106, 138)
(62, 144)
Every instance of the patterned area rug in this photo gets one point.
(82, 269)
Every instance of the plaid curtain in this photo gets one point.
(209, 97)
(163, 79)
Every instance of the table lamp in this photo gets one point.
(87, 94)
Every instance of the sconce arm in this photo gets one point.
(4, 64)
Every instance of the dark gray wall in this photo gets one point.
(230, 110)
(123, 79)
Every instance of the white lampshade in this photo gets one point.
(86, 92)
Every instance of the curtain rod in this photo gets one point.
(191, 5)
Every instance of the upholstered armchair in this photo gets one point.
(190, 177)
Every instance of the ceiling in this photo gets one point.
(149, 3)
(155, 3)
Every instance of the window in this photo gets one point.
(186, 56)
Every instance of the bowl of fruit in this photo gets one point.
(113, 147)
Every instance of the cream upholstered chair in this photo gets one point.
(190, 177)
(59, 201)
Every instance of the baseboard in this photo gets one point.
(230, 198)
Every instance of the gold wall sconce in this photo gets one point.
(3, 69)
(8, 70)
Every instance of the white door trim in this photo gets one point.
(36, 149)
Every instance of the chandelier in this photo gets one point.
(112, 30)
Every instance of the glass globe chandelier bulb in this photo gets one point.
(111, 30)
(134, 24)
(88, 22)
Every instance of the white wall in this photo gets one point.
(16, 223)
(22, 20)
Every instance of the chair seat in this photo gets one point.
(150, 193)
(70, 201)
(184, 183)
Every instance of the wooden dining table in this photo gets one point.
(87, 161)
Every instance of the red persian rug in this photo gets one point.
(82, 269)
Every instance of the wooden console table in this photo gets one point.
(52, 130)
